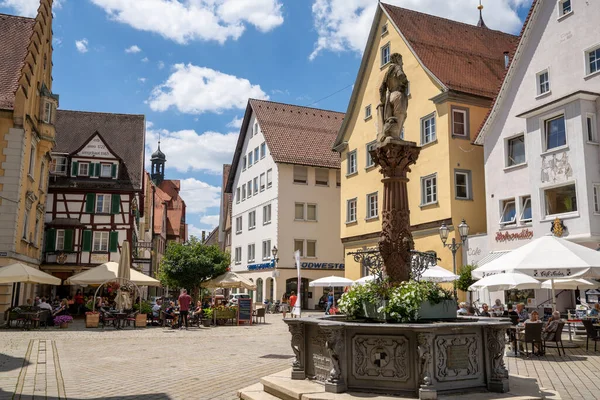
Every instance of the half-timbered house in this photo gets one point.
(95, 190)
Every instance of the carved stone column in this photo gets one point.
(395, 156)
(335, 345)
(498, 376)
(426, 389)
(297, 330)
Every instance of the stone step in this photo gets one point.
(255, 392)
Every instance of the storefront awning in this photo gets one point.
(491, 257)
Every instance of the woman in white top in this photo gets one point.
(498, 307)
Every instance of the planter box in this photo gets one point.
(64, 325)
(92, 320)
(444, 310)
(371, 311)
(140, 320)
(225, 314)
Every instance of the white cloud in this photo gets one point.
(27, 8)
(82, 45)
(145, 59)
(194, 231)
(56, 41)
(161, 65)
(188, 20)
(210, 220)
(142, 80)
(133, 49)
(188, 150)
(236, 122)
(196, 90)
(344, 25)
(199, 196)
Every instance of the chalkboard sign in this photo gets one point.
(244, 310)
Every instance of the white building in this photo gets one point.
(284, 180)
(541, 137)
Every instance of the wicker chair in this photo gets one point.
(258, 314)
(592, 333)
(533, 335)
(557, 339)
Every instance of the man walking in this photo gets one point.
(184, 307)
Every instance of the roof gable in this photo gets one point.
(95, 147)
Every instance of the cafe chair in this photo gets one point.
(533, 335)
(131, 318)
(592, 334)
(514, 319)
(107, 318)
(258, 314)
(557, 339)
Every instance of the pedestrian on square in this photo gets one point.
(284, 304)
(329, 303)
(184, 307)
(78, 301)
(292, 302)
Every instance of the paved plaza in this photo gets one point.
(201, 363)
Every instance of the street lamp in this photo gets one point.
(463, 231)
(274, 251)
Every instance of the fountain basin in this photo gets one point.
(418, 359)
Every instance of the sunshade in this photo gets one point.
(104, 272)
(570, 284)
(123, 299)
(23, 273)
(364, 280)
(436, 273)
(506, 281)
(547, 257)
(230, 280)
(331, 281)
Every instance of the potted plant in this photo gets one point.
(142, 317)
(208, 315)
(92, 319)
(63, 321)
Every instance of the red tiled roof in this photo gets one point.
(465, 58)
(15, 35)
(299, 135)
(168, 192)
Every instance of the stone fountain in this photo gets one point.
(422, 358)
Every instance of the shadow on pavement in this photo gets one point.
(8, 363)
(145, 396)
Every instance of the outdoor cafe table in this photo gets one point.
(120, 316)
(30, 317)
(515, 339)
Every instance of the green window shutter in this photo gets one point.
(92, 169)
(113, 242)
(90, 200)
(87, 241)
(74, 169)
(116, 203)
(50, 240)
(114, 171)
(69, 233)
(98, 166)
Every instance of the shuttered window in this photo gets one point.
(116, 203)
(50, 240)
(90, 202)
(114, 242)
(74, 168)
(68, 243)
(87, 241)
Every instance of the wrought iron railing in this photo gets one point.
(371, 260)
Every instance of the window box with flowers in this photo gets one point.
(63, 321)
(92, 319)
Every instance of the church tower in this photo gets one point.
(158, 160)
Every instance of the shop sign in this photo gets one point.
(525, 234)
(3, 253)
(142, 260)
(98, 258)
(310, 265)
(257, 267)
(143, 245)
(551, 273)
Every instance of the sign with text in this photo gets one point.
(98, 258)
(244, 310)
(95, 148)
(256, 267)
(525, 234)
(316, 265)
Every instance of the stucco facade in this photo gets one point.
(27, 109)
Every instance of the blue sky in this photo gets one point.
(190, 66)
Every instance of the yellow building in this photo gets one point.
(454, 70)
(27, 110)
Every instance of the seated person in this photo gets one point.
(44, 306)
(498, 307)
(485, 312)
(156, 308)
(522, 312)
(462, 309)
(62, 309)
(534, 319)
(595, 312)
(549, 330)
(198, 308)
(170, 312)
(470, 311)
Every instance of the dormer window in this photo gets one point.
(58, 165)
(106, 171)
(84, 169)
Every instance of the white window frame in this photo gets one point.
(269, 175)
(32, 154)
(103, 242)
(503, 206)
(315, 253)
(237, 195)
(243, 192)
(594, 132)
(255, 128)
(434, 194)
(372, 206)
(263, 150)
(48, 112)
(596, 195)
(561, 8)
(251, 220)
(351, 205)
(55, 164)
(545, 121)
(385, 59)
(468, 180)
(465, 113)
(250, 158)
(239, 225)
(238, 255)
(587, 52)
(432, 128)
(298, 181)
(508, 154)
(87, 166)
(267, 211)
(296, 204)
(523, 200)
(306, 212)
(320, 182)
(249, 189)
(352, 163)
(263, 184)
(59, 245)
(251, 252)
(106, 204)
(384, 29)
(256, 155)
(255, 186)
(540, 85)
(370, 162)
(543, 190)
(244, 162)
(302, 249)
(368, 113)
(266, 249)
(102, 174)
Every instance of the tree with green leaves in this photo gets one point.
(465, 278)
(188, 265)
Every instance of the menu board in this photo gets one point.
(244, 310)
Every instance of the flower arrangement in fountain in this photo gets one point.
(112, 287)
(63, 319)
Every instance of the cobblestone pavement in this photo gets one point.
(201, 363)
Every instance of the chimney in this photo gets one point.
(506, 59)
(203, 236)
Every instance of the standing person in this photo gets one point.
(284, 304)
(329, 303)
(78, 301)
(293, 299)
(184, 307)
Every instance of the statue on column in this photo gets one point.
(393, 106)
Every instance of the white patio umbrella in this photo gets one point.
(570, 284)
(123, 273)
(24, 273)
(230, 280)
(435, 273)
(506, 281)
(331, 281)
(364, 280)
(109, 270)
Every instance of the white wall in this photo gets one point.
(557, 45)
